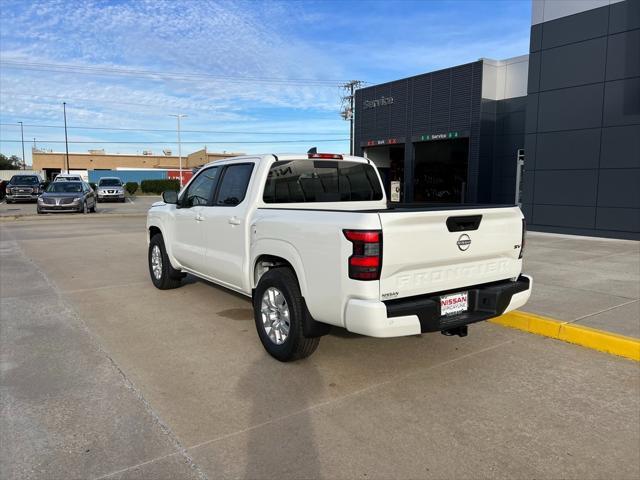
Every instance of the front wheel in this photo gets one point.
(279, 312)
(163, 275)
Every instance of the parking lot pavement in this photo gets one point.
(133, 205)
(67, 409)
(157, 378)
(587, 281)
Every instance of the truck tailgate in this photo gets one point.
(422, 254)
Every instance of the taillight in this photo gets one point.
(366, 261)
(331, 156)
(524, 237)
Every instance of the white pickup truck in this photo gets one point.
(312, 240)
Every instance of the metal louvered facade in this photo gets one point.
(424, 107)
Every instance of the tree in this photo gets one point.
(10, 163)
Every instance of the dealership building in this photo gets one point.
(557, 130)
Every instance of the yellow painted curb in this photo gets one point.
(569, 332)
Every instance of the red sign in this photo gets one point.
(388, 141)
(175, 175)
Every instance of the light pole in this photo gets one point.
(66, 141)
(179, 116)
(24, 160)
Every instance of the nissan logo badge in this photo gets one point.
(464, 242)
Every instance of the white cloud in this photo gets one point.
(219, 39)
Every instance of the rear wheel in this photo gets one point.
(163, 275)
(279, 313)
(85, 207)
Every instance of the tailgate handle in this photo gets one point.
(463, 224)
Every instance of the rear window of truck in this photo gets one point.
(305, 181)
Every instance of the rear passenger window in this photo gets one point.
(301, 181)
(234, 184)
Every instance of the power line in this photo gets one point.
(129, 72)
(164, 130)
(98, 142)
(191, 105)
(101, 101)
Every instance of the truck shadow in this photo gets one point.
(246, 313)
(280, 440)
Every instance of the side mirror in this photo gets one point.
(170, 196)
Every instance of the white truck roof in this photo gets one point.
(284, 157)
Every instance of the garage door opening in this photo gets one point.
(389, 160)
(440, 173)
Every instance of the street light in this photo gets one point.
(66, 142)
(179, 116)
(24, 160)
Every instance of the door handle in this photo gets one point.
(234, 221)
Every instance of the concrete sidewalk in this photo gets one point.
(588, 281)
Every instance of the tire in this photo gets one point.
(39, 211)
(122, 200)
(295, 346)
(166, 277)
(95, 207)
(85, 207)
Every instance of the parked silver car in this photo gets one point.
(110, 188)
(67, 197)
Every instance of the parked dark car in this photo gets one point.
(67, 197)
(24, 187)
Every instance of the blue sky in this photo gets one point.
(268, 68)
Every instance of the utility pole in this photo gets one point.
(66, 141)
(348, 108)
(179, 116)
(24, 160)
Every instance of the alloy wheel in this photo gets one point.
(275, 315)
(156, 262)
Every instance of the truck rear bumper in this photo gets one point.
(415, 315)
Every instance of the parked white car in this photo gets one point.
(68, 177)
(313, 241)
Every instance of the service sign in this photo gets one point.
(378, 102)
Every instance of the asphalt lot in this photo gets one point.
(103, 376)
(133, 205)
